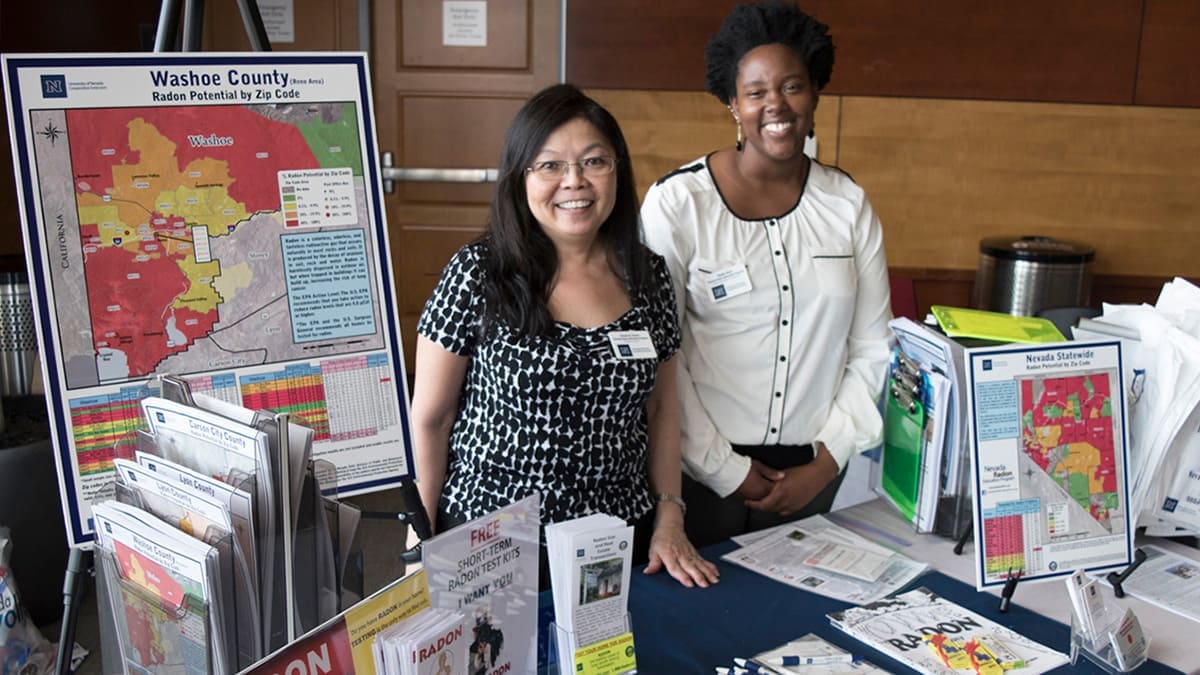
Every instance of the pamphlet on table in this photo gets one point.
(933, 635)
(821, 557)
(1166, 579)
(172, 607)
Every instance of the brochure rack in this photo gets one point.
(290, 563)
(614, 656)
(925, 467)
(1100, 650)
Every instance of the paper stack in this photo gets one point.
(1161, 346)
(922, 471)
(171, 594)
(590, 562)
(432, 641)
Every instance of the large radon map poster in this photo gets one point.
(1050, 460)
(217, 218)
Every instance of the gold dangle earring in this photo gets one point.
(739, 144)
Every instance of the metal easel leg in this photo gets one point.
(255, 31)
(79, 565)
(193, 24)
(168, 26)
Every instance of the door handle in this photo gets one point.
(392, 173)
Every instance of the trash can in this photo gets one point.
(1024, 275)
(18, 338)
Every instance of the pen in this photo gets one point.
(755, 668)
(721, 670)
(790, 660)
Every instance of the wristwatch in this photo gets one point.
(664, 497)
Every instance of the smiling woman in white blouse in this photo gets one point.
(781, 286)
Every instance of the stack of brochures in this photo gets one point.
(900, 627)
(924, 470)
(212, 545)
(821, 557)
(1160, 348)
(590, 563)
(175, 603)
(433, 641)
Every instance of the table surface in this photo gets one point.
(1169, 632)
(681, 630)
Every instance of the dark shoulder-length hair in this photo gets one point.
(764, 23)
(521, 261)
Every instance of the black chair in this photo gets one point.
(1066, 318)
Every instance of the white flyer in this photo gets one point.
(818, 556)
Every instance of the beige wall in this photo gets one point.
(945, 173)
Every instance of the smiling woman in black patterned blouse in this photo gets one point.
(545, 357)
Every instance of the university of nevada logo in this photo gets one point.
(54, 86)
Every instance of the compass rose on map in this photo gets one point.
(51, 132)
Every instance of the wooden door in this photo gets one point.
(448, 107)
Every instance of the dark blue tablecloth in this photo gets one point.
(692, 630)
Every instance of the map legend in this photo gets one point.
(317, 198)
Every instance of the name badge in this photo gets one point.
(728, 282)
(632, 344)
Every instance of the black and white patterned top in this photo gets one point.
(562, 416)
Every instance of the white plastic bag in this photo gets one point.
(23, 650)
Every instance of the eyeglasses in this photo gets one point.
(590, 167)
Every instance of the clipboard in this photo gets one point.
(977, 323)
(903, 438)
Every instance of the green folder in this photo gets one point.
(900, 478)
(977, 323)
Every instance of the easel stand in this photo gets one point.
(1118, 578)
(81, 563)
(414, 515)
(193, 25)
(80, 566)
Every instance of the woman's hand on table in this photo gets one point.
(670, 548)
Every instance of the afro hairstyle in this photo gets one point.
(763, 23)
